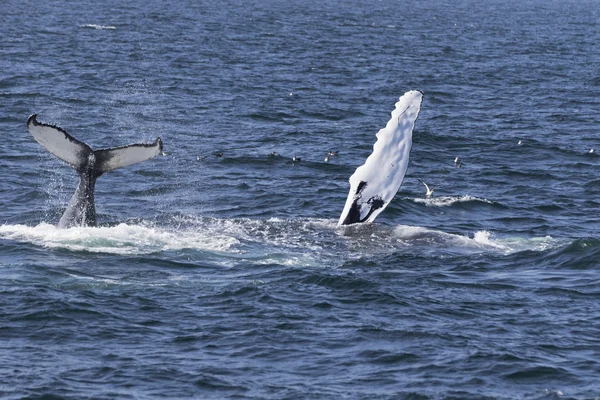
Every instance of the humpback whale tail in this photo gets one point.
(88, 163)
(375, 183)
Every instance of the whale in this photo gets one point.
(375, 183)
(89, 164)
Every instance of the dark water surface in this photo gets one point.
(226, 277)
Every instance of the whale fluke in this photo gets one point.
(375, 183)
(88, 163)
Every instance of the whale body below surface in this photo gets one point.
(89, 164)
(375, 183)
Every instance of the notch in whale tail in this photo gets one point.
(78, 154)
(375, 183)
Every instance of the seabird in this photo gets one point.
(429, 191)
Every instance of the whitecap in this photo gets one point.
(413, 235)
(482, 240)
(445, 201)
(94, 26)
(294, 243)
(121, 239)
(485, 238)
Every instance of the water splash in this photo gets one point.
(286, 242)
(122, 239)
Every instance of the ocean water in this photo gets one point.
(218, 272)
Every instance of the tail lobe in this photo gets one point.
(119, 157)
(58, 142)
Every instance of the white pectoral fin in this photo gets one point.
(58, 142)
(375, 183)
(111, 159)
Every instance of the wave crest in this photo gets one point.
(301, 243)
(446, 201)
(481, 240)
(121, 239)
(94, 26)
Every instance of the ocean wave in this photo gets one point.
(121, 239)
(287, 242)
(94, 26)
(481, 240)
(446, 201)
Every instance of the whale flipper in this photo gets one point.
(89, 164)
(375, 183)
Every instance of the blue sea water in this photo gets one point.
(225, 276)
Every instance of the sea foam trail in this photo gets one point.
(121, 239)
(446, 201)
(481, 240)
(300, 243)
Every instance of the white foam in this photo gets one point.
(485, 238)
(445, 201)
(553, 393)
(299, 243)
(121, 239)
(515, 244)
(94, 26)
(419, 235)
(481, 241)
